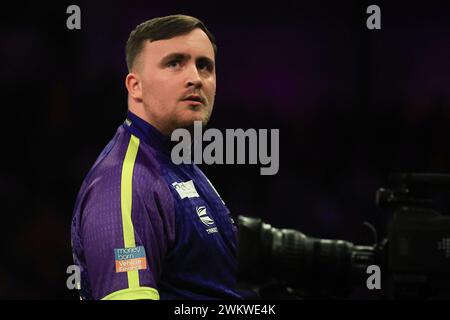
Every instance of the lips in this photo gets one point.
(194, 98)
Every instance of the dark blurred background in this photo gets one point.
(352, 105)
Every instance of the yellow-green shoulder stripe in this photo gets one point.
(141, 293)
(126, 195)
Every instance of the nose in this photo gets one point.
(193, 78)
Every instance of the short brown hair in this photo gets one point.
(162, 28)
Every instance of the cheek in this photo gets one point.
(147, 88)
(155, 90)
(211, 90)
(166, 88)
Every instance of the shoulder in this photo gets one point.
(125, 164)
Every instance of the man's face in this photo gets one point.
(178, 80)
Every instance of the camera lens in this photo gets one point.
(317, 266)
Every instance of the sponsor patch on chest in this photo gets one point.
(186, 189)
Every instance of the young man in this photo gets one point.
(143, 227)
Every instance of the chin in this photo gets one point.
(189, 121)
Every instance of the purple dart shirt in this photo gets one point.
(144, 228)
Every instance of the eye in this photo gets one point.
(174, 64)
(205, 66)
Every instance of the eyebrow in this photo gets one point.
(184, 57)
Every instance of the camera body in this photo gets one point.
(413, 258)
(416, 252)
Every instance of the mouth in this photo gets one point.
(194, 100)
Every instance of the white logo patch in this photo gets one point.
(186, 189)
(207, 220)
(201, 212)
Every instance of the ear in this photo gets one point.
(134, 86)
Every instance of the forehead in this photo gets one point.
(195, 43)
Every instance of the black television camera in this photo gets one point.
(413, 259)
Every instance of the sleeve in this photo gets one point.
(127, 227)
